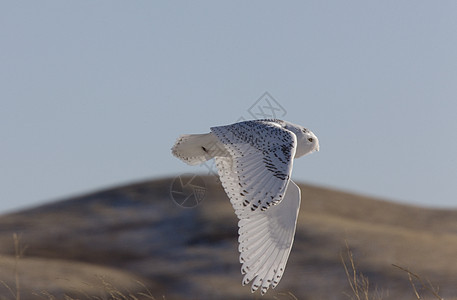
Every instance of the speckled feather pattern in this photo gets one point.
(262, 156)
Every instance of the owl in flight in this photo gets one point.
(254, 161)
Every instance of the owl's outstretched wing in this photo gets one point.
(266, 237)
(261, 154)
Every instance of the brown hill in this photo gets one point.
(135, 237)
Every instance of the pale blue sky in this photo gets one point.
(94, 93)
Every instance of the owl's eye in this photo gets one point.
(310, 139)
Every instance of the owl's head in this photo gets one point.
(307, 141)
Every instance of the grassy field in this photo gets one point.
(134, 242)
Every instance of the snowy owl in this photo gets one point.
(254, 161)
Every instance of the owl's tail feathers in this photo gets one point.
(195, 149)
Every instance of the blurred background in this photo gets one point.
(94, 94)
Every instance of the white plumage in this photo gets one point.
(254, 161)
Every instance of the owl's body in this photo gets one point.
(254, 161)
(195, 149)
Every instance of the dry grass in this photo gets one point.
(415, 280)
(359, 283)
(19, 252)
(108, 289)
(289, 295)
